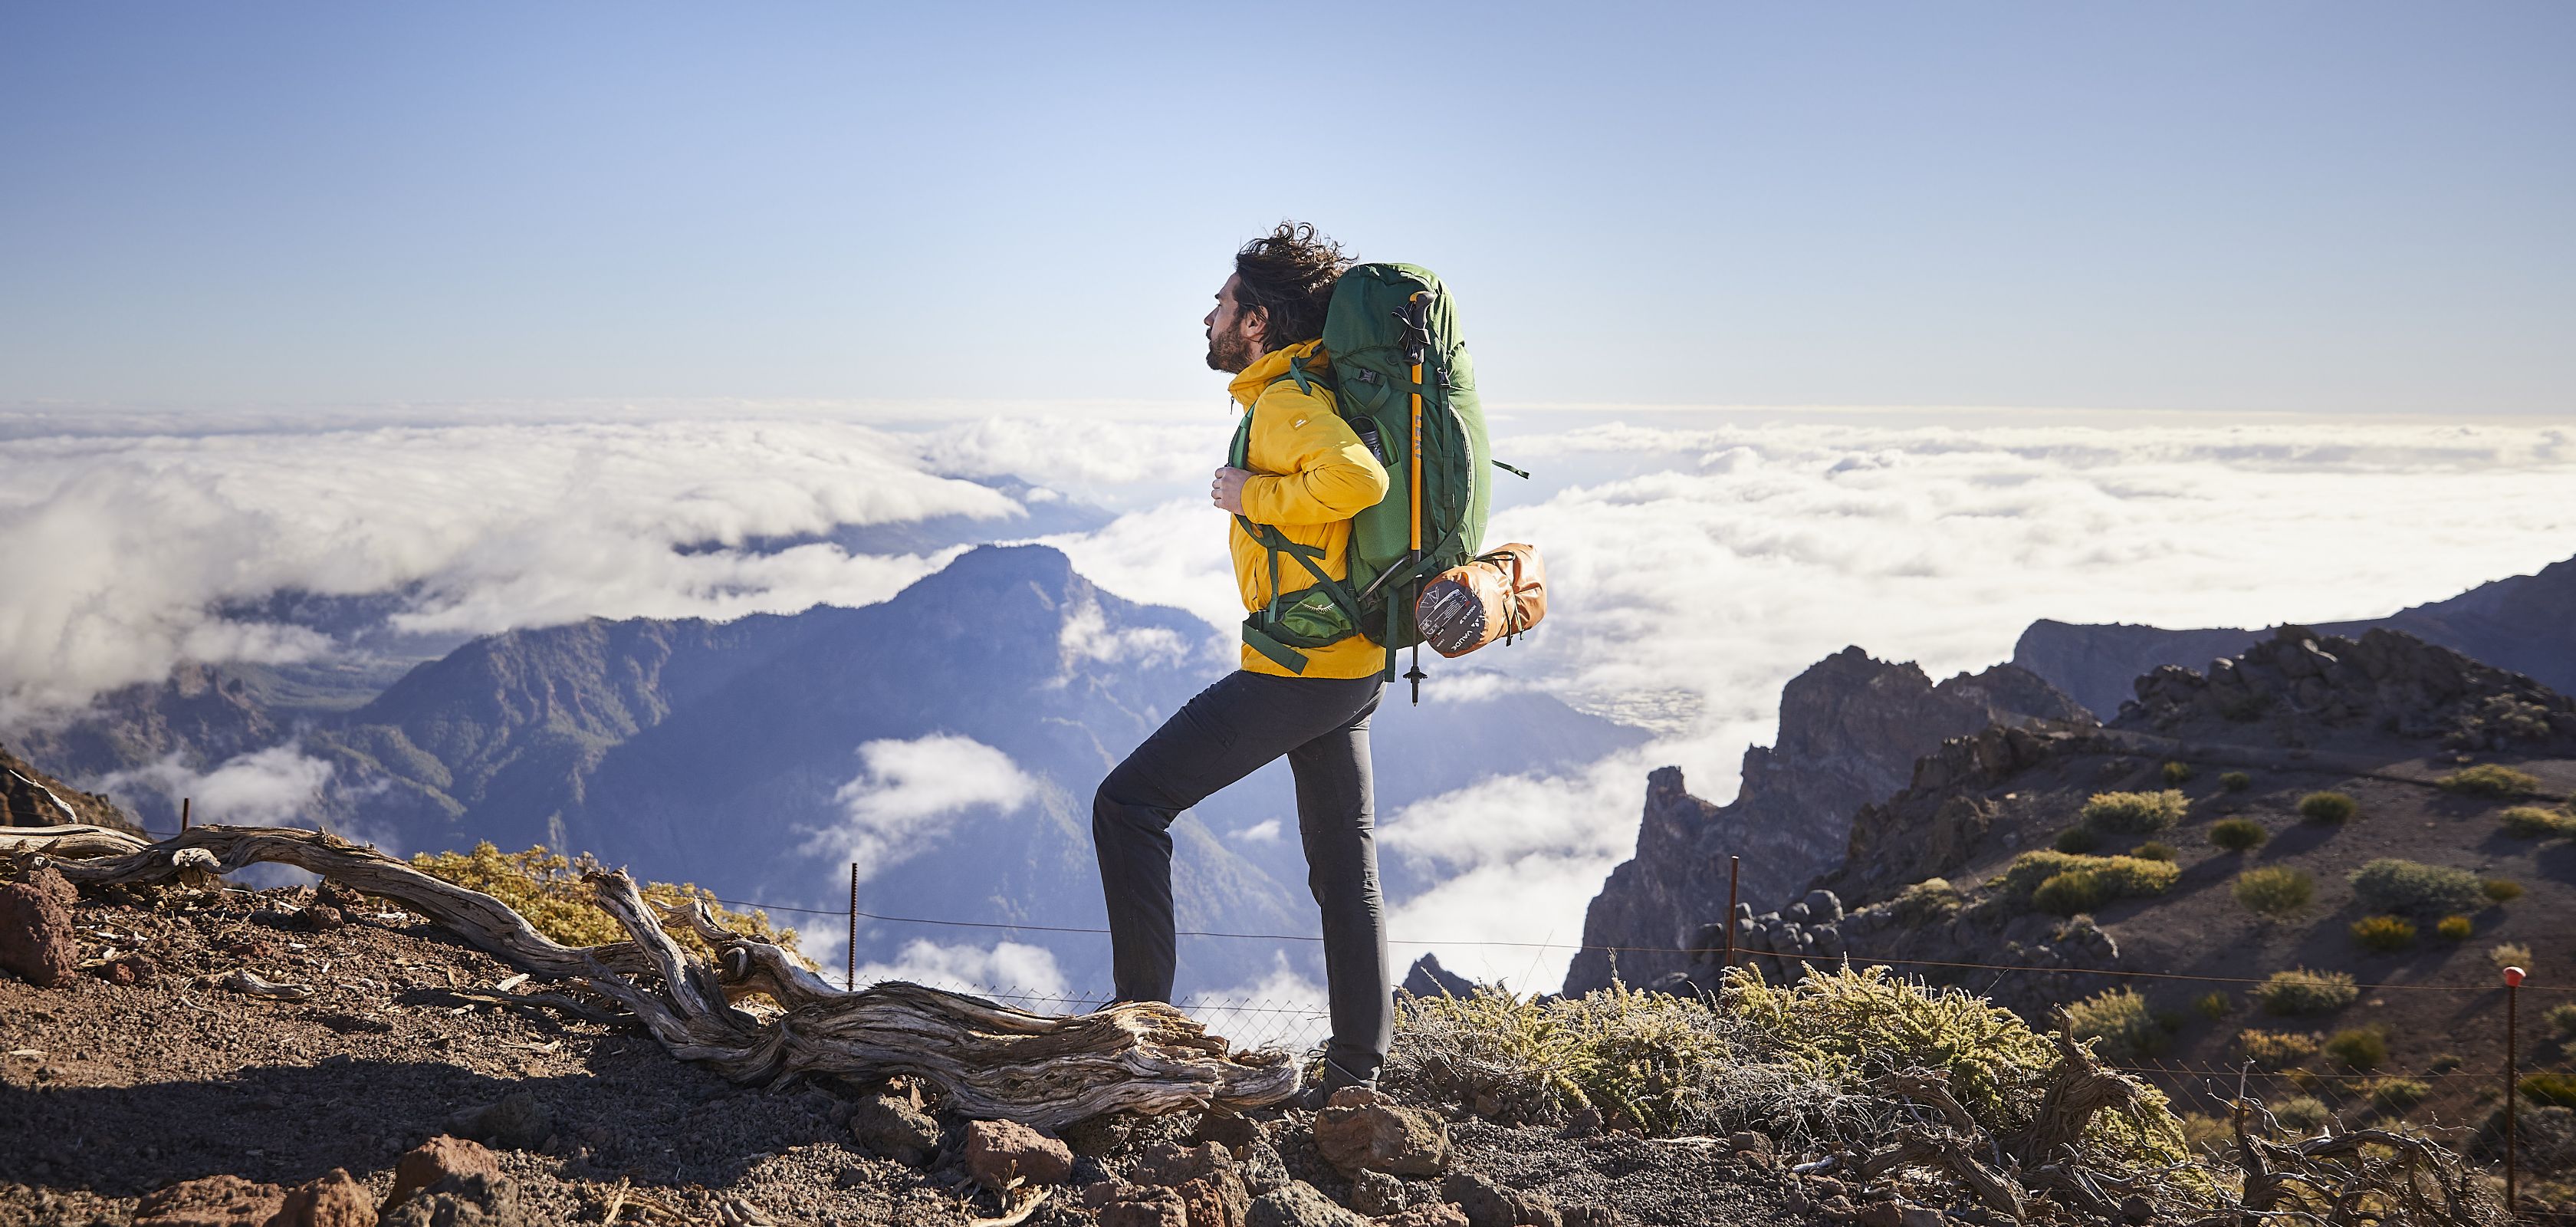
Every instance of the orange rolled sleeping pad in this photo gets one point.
(1492, 596)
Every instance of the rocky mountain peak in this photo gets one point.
(2300, 684)
(1851, 727)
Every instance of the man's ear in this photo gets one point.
(1255, 321)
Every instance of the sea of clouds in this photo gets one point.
(1697, 561)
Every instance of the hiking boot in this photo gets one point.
(1314, 1095)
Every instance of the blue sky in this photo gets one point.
(2330, 208)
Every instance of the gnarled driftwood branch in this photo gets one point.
(992, 1060)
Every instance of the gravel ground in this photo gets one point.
(109, 1091)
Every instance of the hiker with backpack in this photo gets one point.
(1359, 439)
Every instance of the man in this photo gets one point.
(1308, 475)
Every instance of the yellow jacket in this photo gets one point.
(1311, 475)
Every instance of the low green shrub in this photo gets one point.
(2303, 1113)
(2561, 1021)
(2078, 839)
(2490, 780)
(2300, 991)
(2510, 954)
(2384, 934)
(2136, 813)
(2275, 890)
(551, 891)
(2236, 781)
(2444, 1062)
(2390, 884)
(2238, 834)
(2536, 822)
(2214, 1005)
(1930, 900)
(2328, 807)
(2276, 1049)
(2178, 772)
(2393, 1095)
(2359, 1047)
(2119, 1023)
(2500, 890)
(2072, 892)
(2129, 876)
(2455, 928)
(2550, 1088)
(2153, 850)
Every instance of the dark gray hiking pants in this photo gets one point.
(1228, 731)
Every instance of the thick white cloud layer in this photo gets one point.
(889, 809)
(118, 548)
(1696, 564)
(1686, 593)
(1027, 974)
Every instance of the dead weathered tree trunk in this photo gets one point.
(991, 1060)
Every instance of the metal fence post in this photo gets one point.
(2512, 1027)
(850, 953)
(1734, 870)
(184, 802)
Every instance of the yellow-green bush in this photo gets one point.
(2363, 1048)
(2077, 839)
(2302, 1113)
(2328, 807)
(2276, 1049)
(2153, 850)
(2274, 890)
(547, 888)
(2455, 928)
(2178, 772)
(2561, 1021)
(2072, 892)
(2127, 875)
(2500, 890)
(2490, 780)
(1795, 1061)
(2119, 1023)
(2393, 884)
(2393, 1095)
(2236, 781)
(2384, 934)
(2238, 834)
(2536, 822)
(2510, 954)
(1929, 900)
(2214, 1005)
(2301, 991)
(2550, 1088)
(2136, 813)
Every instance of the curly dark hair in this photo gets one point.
(1289, 274)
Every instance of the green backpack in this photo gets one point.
(1391, 331)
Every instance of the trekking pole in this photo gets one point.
(2512, 1019)
(1419, 335)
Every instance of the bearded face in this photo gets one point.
(1233, 331)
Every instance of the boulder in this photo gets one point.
(1212, 1192)
(1263, 1169)
(1299, 1204)
(1001, 1154)
(890, 1127)
(1377, 1194)
(36, 939)
(1488, 1204)
(473, 1200)
(1363, 1129)
(436, 1160)
(334, 1199)
(210, 1201)
(1235, 1133)
(1139, 1206)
